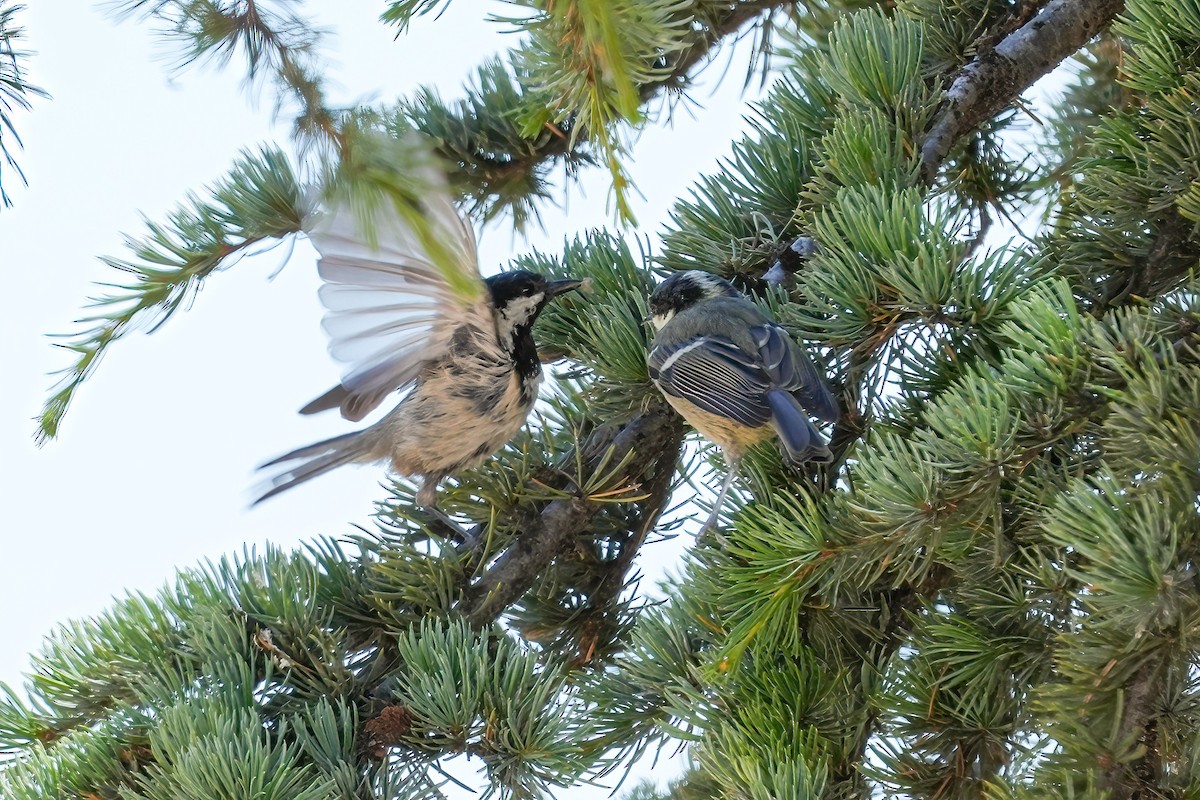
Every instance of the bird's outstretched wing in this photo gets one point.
(715, 374)
(395, 291)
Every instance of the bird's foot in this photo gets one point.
(464, 539)
(709, 534)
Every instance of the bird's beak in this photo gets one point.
(562, 286)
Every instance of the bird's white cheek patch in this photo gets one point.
(520, 309)
(659, 320)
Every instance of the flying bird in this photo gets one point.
(733, 373)
(406, 310)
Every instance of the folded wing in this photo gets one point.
(717, 375)
(791, 370)
(712, 372)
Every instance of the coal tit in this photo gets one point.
(400, 319)
(733, 373)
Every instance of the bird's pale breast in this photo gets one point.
(733, 437)
(457, 416)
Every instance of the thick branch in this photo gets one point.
(1139, 725)
(1172, 254)
(653, 438)
(998, 76)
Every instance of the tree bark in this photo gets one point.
(653, 437)
(998, 75)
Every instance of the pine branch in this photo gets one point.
(276, 42)
(516, 123)
(402, 12)
(258, 201)
(581, 603)
(732, 23)
(997, 76)
(658, 495)
(596, 64)
(651, 441)
(15, 90)
(495, 162)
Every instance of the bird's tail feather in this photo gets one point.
(801, 440)
(319, 458)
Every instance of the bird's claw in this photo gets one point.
(709, 533)
(464, 539)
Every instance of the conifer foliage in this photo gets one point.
(990, 592)
(15, 91)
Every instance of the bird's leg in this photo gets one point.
(427, 494)
(427, 500)
(463, 537)
(710, 523)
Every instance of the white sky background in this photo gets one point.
(155, 460)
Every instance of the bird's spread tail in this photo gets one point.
(317, 459)
(801, 440)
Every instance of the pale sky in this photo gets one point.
(156, 458)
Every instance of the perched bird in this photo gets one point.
(407, 310)
(733, 373)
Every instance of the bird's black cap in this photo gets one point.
(508, 286)
(684, 289)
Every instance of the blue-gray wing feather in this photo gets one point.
(790, 369)
(716, 375)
